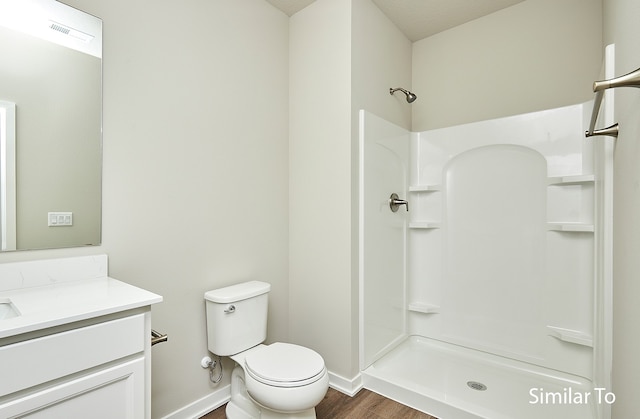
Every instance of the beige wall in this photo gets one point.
(195, 167)
(538, 54)
(196, 157)
(334, 73)
(319, 182)
(211, 177)
(621, 28)
(381, 59)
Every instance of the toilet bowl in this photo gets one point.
(275, 381)
(282, 379)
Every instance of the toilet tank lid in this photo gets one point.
(237, 292)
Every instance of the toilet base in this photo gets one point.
(233, 411)
(241, 406)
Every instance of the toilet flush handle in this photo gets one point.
(230, 309)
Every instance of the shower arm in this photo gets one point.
(628, 80)
(392, 90)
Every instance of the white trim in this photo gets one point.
(344, 385)
(202, 406)
(7, 175)
(222, 395)
(603, 346)
(361, 138)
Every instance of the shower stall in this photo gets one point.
(488, 294)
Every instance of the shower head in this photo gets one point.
(410, 96)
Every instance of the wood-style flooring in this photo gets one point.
(364, 405)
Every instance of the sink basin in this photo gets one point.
(7, 309)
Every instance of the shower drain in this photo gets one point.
(476, 385)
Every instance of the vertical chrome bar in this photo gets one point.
(594, 114)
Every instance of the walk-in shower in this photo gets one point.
(485, 298)
(490, 296)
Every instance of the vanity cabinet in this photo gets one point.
(98, 368)
(77, 343)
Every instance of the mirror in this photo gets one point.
(50, 126)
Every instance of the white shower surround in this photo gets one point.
(496, 274)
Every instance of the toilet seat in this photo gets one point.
(285, 365)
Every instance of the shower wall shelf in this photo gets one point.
(571, 336)
(567, 180)
(425, 188)
(571, 227)
(554, 226)
(424, 224)
(571, 180)
(628, 80)
(425, 308)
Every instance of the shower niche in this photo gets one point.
(503, 277)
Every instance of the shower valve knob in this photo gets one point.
(395, 202)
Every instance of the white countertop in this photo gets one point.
(56, 304)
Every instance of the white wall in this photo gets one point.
(538, 54)
(195, 167)
(621, 28)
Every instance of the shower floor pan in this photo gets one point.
(453, 382)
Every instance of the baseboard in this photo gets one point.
(222, 395)
(344, 385)
(203, 406)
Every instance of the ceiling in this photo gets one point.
(418, 19)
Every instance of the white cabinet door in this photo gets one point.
(41, 360)
(114, 392)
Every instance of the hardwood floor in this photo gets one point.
(364, 405)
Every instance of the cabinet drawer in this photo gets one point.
(115, 392)
(31, 362)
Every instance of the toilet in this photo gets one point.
(275, 381)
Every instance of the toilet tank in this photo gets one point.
(237, 317)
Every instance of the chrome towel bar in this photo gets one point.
(628, 80)
(611, 131)
(158, 337)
